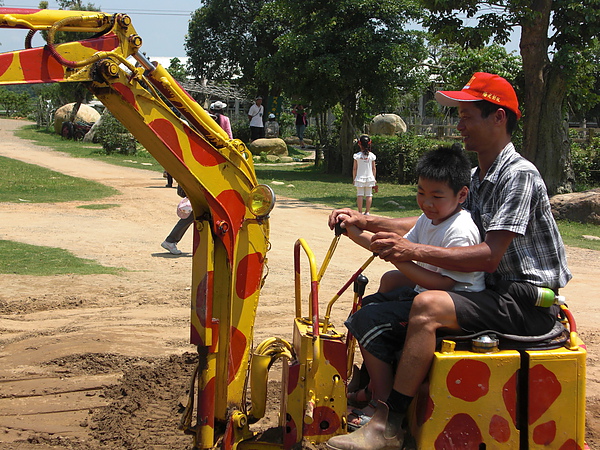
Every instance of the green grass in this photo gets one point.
(24, 259)
(573, 232)
(78, 149)
(100, 206)
(22, 182)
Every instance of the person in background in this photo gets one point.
(363, 173)
(271, 127)
(178, 231)
(522, 251)
(217, 109)
(255, 115)
(301, 122)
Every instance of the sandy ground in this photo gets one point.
(101, 361)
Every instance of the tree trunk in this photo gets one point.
(545, 131)
(348, 134)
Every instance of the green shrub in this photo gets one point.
(411, 146)
(114, 137)
(241, 130)
(585, 158)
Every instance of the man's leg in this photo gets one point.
(431, 310)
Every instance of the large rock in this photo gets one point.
(295, 140)
(270, 146)
(581, 207)
(86, 113)
(388, 124)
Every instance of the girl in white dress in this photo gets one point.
(363, 173)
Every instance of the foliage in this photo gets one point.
(584, 93)
(177, 70)
(114, 136)
(14, 104)
(240, 129)
(586, 163)
(397, 155)
(224, 41)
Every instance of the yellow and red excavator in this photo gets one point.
(484, 391)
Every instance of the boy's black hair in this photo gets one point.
(447, 164)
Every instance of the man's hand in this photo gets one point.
(392, 247)
(347, 217)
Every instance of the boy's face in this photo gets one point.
(437, 200)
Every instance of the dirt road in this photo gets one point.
(71, 345)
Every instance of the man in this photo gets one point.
(522, 250)
(255, 114)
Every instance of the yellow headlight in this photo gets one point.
(262, 201)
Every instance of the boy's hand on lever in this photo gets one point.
(392, 247)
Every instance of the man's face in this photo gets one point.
(259, 101)
(474, 129)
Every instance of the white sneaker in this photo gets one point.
(171, 247)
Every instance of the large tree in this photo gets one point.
(554, 33)
(348, 52)
(225, 42)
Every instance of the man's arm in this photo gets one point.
(481, 257)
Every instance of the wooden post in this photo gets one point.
(401, 160)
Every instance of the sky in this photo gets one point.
(161, 24)
(162, 30)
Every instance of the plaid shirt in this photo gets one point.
(513, 197)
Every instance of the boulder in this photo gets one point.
(86, 114)
(293, 140)
(581, 207)
(388, 124)
(270, 146)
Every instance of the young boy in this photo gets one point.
(444, 176)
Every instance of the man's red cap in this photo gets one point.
(483, 86)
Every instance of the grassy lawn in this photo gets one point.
(24, 259)
(22, 182)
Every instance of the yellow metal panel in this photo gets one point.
(557, 399)
(469, 398)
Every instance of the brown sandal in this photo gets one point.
(354, 400)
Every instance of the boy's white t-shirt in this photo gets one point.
(458, 230)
